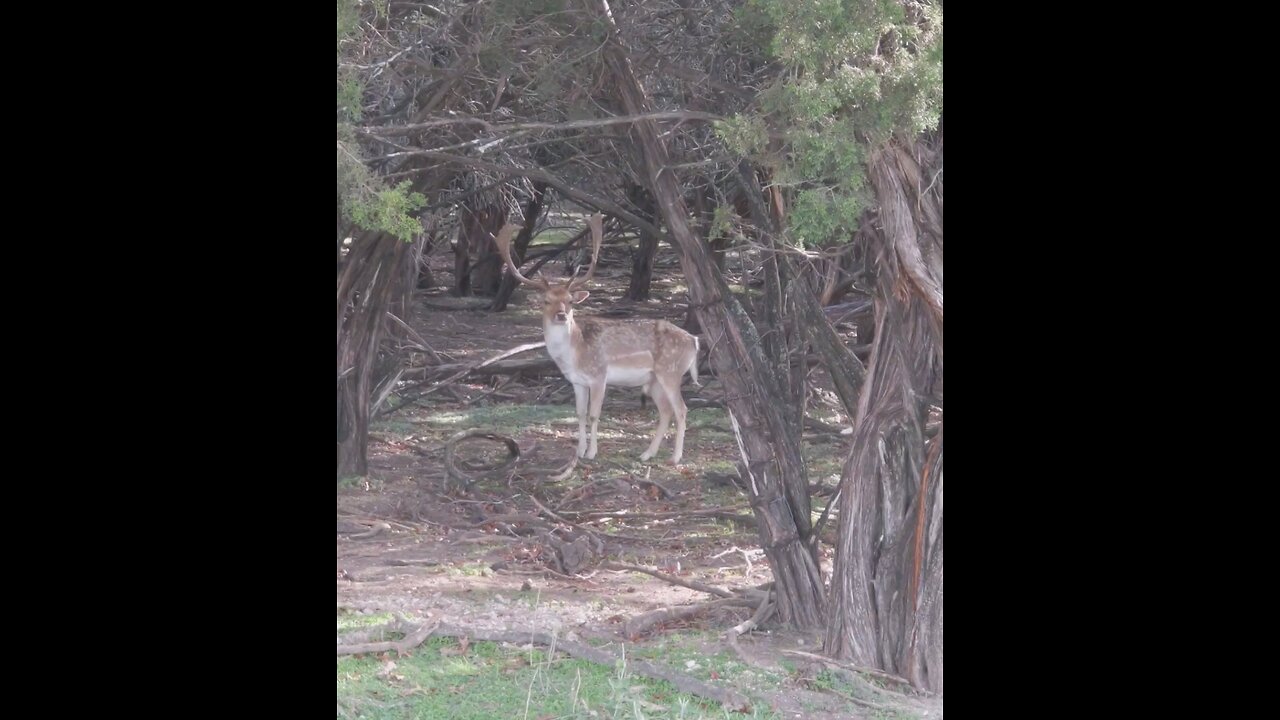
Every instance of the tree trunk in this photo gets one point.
(887, 581)
(486, 274)
(532, 211)
(642, 265)
(462, 257)
(373, 279)
(768, 443)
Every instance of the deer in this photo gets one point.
(593, 353)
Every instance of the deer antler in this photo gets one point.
(596, 223)
(503, 241)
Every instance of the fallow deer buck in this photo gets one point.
(594, 352)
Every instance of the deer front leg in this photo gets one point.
(597, 401)
(580, 393)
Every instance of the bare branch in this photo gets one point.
(489, 127)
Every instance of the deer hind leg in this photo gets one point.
(664, 417)
(670, 392)
(581, 394)
(597, 402)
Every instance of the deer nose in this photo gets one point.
(561, 317)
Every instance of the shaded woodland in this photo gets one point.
(788, 154)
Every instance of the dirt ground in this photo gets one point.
(479, 557)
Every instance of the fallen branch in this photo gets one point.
(691, 584)
(414, 636)
(748, 521)
(467, 370)
(371, 532)
(729, 513)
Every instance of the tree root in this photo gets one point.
(640, 625)
(833, 663)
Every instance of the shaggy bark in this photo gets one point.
(769, 443)
(373, 280)
(887, 582)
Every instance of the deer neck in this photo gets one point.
(561, 339)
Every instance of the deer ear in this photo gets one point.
(579, 296)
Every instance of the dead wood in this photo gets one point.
(463, 371)
(830, 662)
(414, 635)
(374, 531)
(640, 625)
(482, 473)
(727, 513)
(691, 584)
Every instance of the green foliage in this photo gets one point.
(721, 221)
(856, 72)
(364, 198)
(389, 210)
(743, 134)
(348, 19)
(350, 92)
(821, 213)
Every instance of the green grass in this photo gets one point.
(713, 419)
(686, 652)
(440, 679)
(554, 236)
(505, 419)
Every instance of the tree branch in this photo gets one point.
(592, 201)
(400, 130)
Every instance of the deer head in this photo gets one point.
(557, 299)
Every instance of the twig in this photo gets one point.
(578, 491)
(666, 492)
(551, 514)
